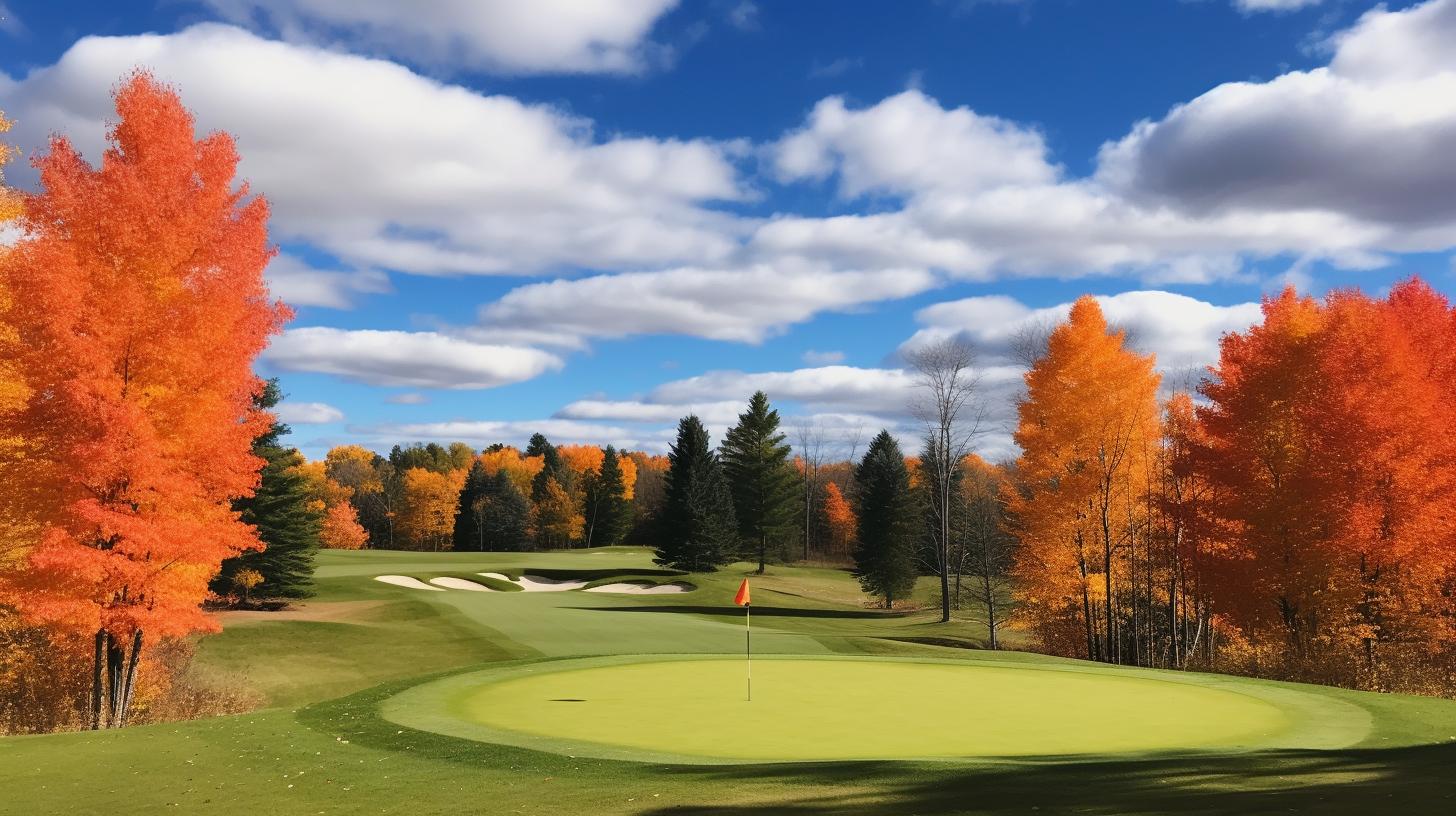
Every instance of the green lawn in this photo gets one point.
(386, 699)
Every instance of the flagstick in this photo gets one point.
(748, 644)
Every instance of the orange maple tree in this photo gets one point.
(138, 299)
(839, 520)
(341, 529)
(1087, 428)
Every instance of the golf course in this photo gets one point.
(535, 694)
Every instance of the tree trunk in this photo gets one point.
(762, 550)
(96, 679)
(129, 685)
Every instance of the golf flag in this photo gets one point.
(741, 599)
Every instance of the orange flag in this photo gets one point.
(741, 599)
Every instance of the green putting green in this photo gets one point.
(825, 709)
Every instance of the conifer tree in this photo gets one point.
(765, 488)
(504, 514)
(884, 559)
(698, 527)
(607, 509)
(284, 514)
(468, 514)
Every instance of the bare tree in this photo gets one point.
(810, 435)
(952, 415)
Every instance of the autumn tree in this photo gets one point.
(765, 489)
(1088, 429)
(605, 506)
(137, 295)
(698, 530)
(284, 514)
(984, 547)
(341, 529)
(884, 559)
(839, 520)
(427, 508)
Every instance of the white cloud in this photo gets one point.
(822, 358)
(909, 143)
(410, 359)
(543, 36)
(722, 412)
(307, 413)
(1367, 139)
(1250, 6)
(1182, 331)
(833, 388)
(745, 304)
(516, 432)
(408, 398)
(387, 169)
(299, 284)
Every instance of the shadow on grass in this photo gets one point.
(1370, 782)
(758, 611)
(1419, 780)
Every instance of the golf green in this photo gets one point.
(825, 709)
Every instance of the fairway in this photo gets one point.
(827, 709)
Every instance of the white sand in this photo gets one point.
(643, 589)
(539, 583)
(406, 581)
(460, 583)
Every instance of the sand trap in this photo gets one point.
(460, 583)
(539, 583)
(644, 589)
(406, 581)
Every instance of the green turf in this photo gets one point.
(401, 741)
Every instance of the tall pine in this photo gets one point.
(698, 527)
(884, 560)
(765, 489)
(606, 507)
(282, 510)
(469, 514)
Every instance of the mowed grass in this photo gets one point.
(317, 752)
(822, 709)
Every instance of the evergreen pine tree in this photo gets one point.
(282, 510)
(607, 509)
(884, 560)
(698, 527)
(468, 516)
(551, 468)
(765, 489)
(504, 515)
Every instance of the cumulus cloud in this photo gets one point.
(307, 413)
(543, 36)
(722, 412)
(1182, 331)
(1368, 138)
(299, 284)
(387, 169)
(745, 304)
(410, 359)
(909, 143)
(408, 398)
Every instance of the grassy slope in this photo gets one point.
(340, 757)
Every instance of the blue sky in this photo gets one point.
(589, 218)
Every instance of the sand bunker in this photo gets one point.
(644, 589)
(406, 581)
(539, 583)
(460, 583)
